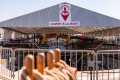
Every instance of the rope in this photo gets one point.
(69, 68)
(24, 75)
(63, 65)
(49, 72)
(37, 76)
(54, 74)
(60, 74)
(57, 73)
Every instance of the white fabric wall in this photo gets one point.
(7, 35)
(17, 35)
(2, 34)
(13, 35)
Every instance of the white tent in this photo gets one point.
(51, 20)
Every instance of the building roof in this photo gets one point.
(41, 19)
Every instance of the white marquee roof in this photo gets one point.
(38, 22)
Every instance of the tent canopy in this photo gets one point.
(66, 30)
(38, 22)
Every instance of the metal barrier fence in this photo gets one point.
(6, 63)
(69, 56)
(86, 65)
(106, 68)
(107, 65)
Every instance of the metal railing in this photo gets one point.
(69, 56)
(6, 63)
(107, 65)
(16, 41)
(106, 68)
(86, 66)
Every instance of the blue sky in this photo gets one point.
(13, 8)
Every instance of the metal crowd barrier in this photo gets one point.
(106, 68)
(107, 65)
(6, 63)
(86, 68)
(69, 56)
(87, 62)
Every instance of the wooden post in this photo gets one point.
(41, 62)
(50, 58)
(57, 55)
(29, 63)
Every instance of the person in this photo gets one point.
(11, 39)
(118, 39)
(56, 39)
(27, 37)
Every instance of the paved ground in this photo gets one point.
(104, 76)
(85, 74)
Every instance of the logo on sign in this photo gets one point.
(64, 17)
(64, 11)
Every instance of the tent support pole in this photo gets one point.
(98, 33)
(34, 41)
(102, 34)
(107, 34)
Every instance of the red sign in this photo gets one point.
(64, 11)
(64, 17)
(63, 23)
